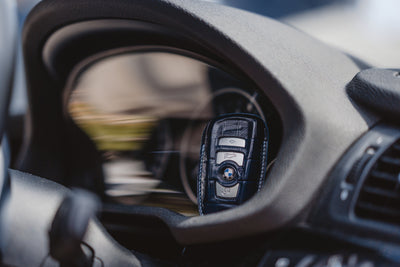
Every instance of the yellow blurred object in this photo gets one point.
(117, 132)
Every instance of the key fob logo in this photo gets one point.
(229, 173)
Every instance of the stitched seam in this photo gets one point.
(263, 162)
(200, 184)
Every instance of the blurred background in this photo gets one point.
(367, 29)
(152, 104)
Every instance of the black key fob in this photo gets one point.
(233, 161)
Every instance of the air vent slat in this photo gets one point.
(384, 176)
(379, 197)
(396, 147)
(390, 160)
(379, 210)
(381, 192)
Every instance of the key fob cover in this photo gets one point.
(233, 161)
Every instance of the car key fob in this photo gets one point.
(233, 161)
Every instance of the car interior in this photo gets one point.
(190, 133)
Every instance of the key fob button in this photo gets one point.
(232, 141)
(228, 155)
(226, 192)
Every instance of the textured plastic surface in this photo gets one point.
(303, 78)
(230, 175)
(378, 89)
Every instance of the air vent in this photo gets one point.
(379, 198)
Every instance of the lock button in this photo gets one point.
(232, 141)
